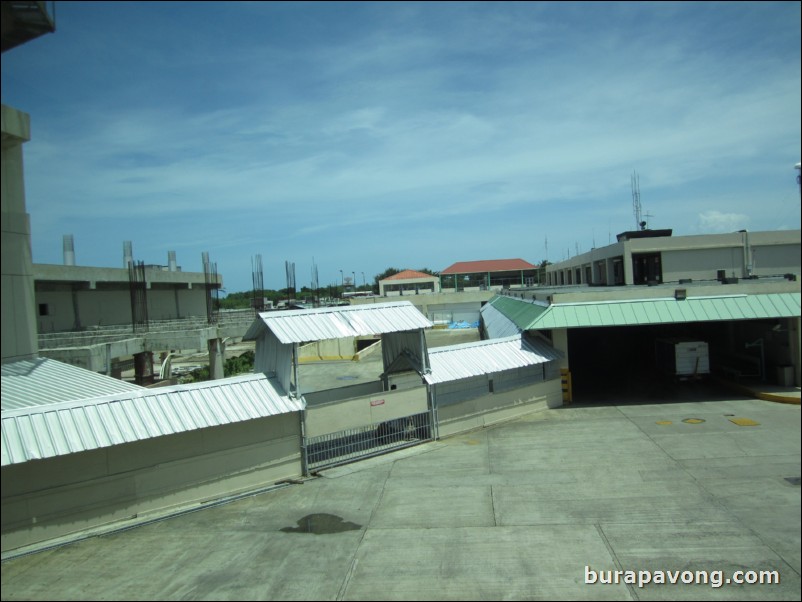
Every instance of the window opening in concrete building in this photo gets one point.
(647, 268)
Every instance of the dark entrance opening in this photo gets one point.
(647, 268)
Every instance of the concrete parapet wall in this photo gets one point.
(326, 396)
(364, 411)
(496, 407)
(331, 349)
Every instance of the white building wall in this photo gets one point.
(776, 260)
(702, 264)
(105, 307)
(698, 257)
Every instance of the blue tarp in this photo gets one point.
(463, 324)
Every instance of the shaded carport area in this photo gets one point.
(620, 363)
(748, 338)
(611, 344)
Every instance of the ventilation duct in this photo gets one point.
(128, 254)
(69, 250)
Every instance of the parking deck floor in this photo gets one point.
(529, 509)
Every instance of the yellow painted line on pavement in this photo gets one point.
(744, 422)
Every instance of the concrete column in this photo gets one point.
(629, 276)
(76, 323)
(217, 359)
(19, 339)
(610, 269)
(143, 368)
(559, 340)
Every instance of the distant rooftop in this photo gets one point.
(409, 275)
(643, 234)
(489, 265)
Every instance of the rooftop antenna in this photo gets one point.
(258, 276)
(636, 208)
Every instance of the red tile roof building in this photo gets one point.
(488, 273)
(409, 282)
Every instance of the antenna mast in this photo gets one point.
(636, 207)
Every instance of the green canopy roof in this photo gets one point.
(531, 316)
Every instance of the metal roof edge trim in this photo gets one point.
(335, 309)
(653, 299)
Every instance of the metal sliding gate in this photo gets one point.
(358, 443)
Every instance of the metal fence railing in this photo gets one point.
(355, 444)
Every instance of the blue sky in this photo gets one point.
(363, 136)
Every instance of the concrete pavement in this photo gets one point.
(529, 509)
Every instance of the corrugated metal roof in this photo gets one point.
(485, 357)
(410, 275)
(76, 426)
(496, 324)
(518, 311)
(488, 265)
(339, 322)
(648, 311)
(43, 381)
(668, 311)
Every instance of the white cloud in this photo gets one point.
(509, 118)
(714, 222)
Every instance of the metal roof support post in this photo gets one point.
(304, 448)
(295, 370)
(423, 355)
(435, 417)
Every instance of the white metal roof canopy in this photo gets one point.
(486, 357)
(278, 334)
(307, 325)
(70, 427)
